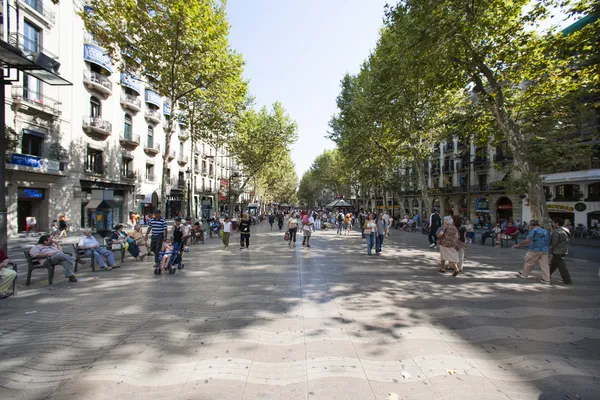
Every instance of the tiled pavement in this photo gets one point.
(329, 322)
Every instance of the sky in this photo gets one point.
(297, 52)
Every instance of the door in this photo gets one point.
(24, 209)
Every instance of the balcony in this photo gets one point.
(150, 178)
(34, 102)
(152, 97)
(183, 135)
(152, 116)
(180, 182)
(95, 169)
(172, 155)
(197, 169)
(435, 171)
(27, 162)
(40, 10)
(96, 125)
(500, 158)
(131, 102)
(151, 148)
(486, 188)
(128, 175)
(481, 162)
(30, 48)
(183, 159)
(97, 82)
(130, 140)
(448, 170)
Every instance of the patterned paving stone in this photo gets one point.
(322, 323)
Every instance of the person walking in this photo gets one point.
(538, 241)
(462, 233)
(559, 247)
(435, 221)
(292, 228)
(271, 221)
(280, 219)
(62, 226)
(245, 230)
(340, 223)
(307, 225)
(370, 230)
(470, 231)
(47, 247)
(361, 220)
(226, 232)
(158, 227)
(449, 242)
(381, 232)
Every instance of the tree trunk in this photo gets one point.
(419, 164)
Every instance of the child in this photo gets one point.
(165, 254)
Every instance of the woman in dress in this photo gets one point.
(292, 228)
(448, 240)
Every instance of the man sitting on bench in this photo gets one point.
(47, 247)
(90, 244)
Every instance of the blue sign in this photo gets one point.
(167, 108)
(131, 81)
(31, 193)
(481, 205)
(97, 55)
(152, 97)
(34, 162)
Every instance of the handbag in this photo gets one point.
(221, 233)
(286, 237)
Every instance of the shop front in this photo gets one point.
(89, 202)
(32, 206)
(175, 202)
(504, 208)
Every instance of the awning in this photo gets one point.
(93, 204)
(34, 133)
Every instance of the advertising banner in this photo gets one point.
(223, 189)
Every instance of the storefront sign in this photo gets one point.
(553, 206)
(504, 206)
(35, 162)
(581, 207)
(96, 55)
(481, 205)
(30, 193)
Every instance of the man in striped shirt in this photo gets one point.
(158, 226)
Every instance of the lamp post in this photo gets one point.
(188, 172)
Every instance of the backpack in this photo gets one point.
(340, 218)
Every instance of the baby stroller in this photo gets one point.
(175, 262)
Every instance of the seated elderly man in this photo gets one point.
(90, 244)
(47, 247)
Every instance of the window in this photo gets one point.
(32, 89)
(196, 162)
(203, 166)
(568, 193)
(181, 149)
(32, 145)
(95, 107)
(203, 184)
(548, 193)
(482, 181)
(594, 191)
(150, 172)
(150, 137)
(94, 161)
(32, 37)
(127, 127)
(127, 169)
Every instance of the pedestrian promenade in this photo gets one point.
(330, 322)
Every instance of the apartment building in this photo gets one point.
(106, 131)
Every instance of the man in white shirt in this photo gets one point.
(47, 247)
(307, 230)
(90, 244)
(187, 233)
(386, 219)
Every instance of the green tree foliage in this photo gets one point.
(178, 46)
(531, 82)
(329, 172)
(262, 139)
(278, 182)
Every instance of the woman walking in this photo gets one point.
(62, 226)
(448, 240)
(226, 232)
(470, 231)
(370, 232)
(245, 231)
(292, 228)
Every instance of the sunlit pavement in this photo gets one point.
(275, 322)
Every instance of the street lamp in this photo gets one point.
(188, 172)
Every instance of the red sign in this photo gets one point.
(504, 206)
(223, 189)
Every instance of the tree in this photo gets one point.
(278, 182)
(531, 82)
(178, 46)
(262, 139)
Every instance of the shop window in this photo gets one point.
(568, 193)
(128, 127)
(94, 161)
(594, 192)
(95, 107)
(32, 145)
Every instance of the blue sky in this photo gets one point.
(298, 51)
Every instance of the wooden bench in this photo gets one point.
(38, 263)
(121, 250)
(80, 257)
(508, 239)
